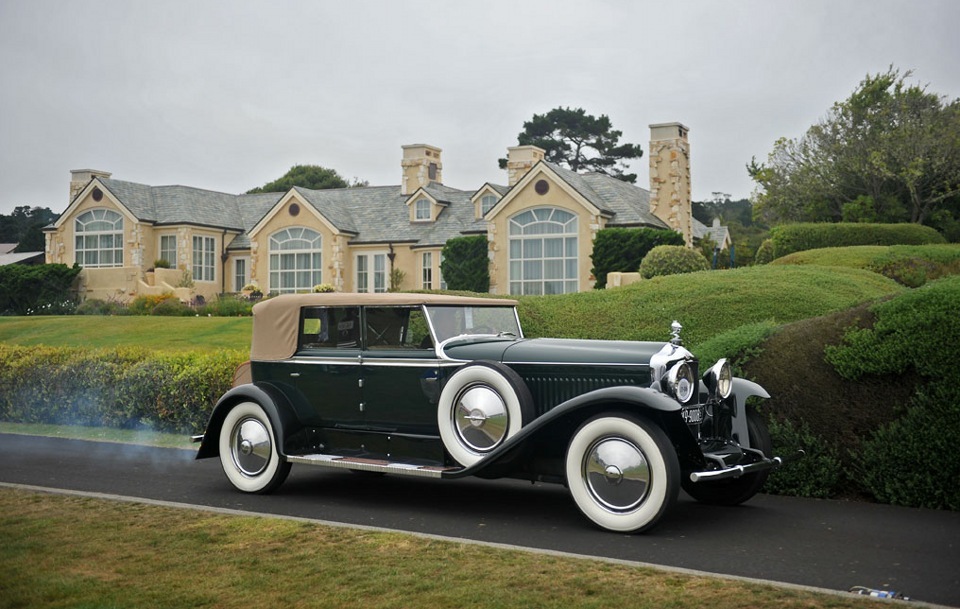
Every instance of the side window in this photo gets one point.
(396, 328)
(329, 328)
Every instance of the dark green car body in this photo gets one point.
(447, 387)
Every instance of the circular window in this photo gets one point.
(294, 209)
(542, 186)
(97, 194)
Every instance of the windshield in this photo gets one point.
(449, 321)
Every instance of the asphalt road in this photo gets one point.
(825, 544)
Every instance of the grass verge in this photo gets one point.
(99, 434)
(64, 551)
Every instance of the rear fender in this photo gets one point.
(273, 403)
(631, 398)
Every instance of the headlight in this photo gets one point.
(719, 379)
(681, 381)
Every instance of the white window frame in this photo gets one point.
(487, 202)
(204, 266)
(371, 272)
(98, 237)
(241, 276)
(161, 250)
(426, 271)
(300, 250)
(543, 251)
(422, 211)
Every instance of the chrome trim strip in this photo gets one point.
(581, 364)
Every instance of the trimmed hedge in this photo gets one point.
(672, 260)
(127, 388)
(790, 238)
(623, 249)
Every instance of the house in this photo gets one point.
(540, 227)
(8, 256)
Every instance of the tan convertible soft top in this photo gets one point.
(276, 322)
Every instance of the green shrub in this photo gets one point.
(465, 265)
(96, 306)
(124, 388)
(909, 265)
(739, 345)
(919, 331)
(765, 252)
(227, 306)
(817, 474)
(42, 289)
(172, 307)
(672, 260)
(790, 238)
(911, 461)
(623, 249)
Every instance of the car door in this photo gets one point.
(325, 371)
(399, 372)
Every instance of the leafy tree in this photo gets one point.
(25, 227)
(888, 153)
(465, 264)
(579, 141)
(313, 177)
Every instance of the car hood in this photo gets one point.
(554, 350)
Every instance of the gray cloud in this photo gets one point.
(228, 95)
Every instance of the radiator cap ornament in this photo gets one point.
(675, 328)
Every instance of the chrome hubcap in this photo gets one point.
(251, 447)
(480, 418)
(617, 474)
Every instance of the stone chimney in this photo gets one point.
(670, 198)
(421, 167)
(81, 177)
(520, 160)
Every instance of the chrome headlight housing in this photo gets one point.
(681, 381)
(719, 379)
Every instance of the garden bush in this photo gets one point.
(96, 306)
(909, 265)
(465, 265)
(818, 474)
(672, 260)
(42, 289)
(790, 238)
(765, 252)
(623, 249)
(127, 388)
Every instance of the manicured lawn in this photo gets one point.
(160, 333)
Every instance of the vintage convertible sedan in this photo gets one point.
(447, 386)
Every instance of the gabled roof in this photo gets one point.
(626, 203)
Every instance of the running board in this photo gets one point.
(372, 465)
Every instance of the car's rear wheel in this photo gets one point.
(734, 491)
(481, 406)
(248, 450)
(622, 472)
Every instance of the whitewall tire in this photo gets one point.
(481, 406)
(248, 450)
(622, 472)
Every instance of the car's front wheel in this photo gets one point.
(622, 472)
(248, 450)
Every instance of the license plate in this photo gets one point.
(692, 415)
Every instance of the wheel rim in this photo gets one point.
(480, 418)
(251, 447)
(617, 474)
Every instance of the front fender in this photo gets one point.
(643, 398)
(743, 389)
(273, 403)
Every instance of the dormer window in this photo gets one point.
(486, 204)
(421, 211)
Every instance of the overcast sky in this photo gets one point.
(227, 95)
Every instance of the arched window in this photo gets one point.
(543, 252)
(295, 260)
(99, 238)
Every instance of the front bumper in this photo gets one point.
(735, 471)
